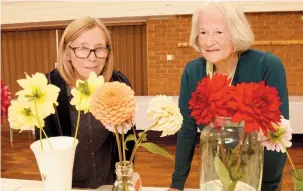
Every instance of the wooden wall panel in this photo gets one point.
(26, 51)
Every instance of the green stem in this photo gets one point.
(123, 147)
(292, 164)
(118, 144)
(140, 140)
(222, 149)
(40, 126)
(134, 131)
(47, 139)
(77, 127)
(238, 152)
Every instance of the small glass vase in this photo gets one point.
(230, 158)
(298, 182)
(124, 177)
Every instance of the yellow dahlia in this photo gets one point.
(114, 105)
(22, 115)
(166, 114)
(84, 90)
(36, 90)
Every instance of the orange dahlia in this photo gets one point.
(114, 105)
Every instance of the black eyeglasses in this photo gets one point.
(84, 52)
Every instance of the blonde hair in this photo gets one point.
(239, 30)
(72, 32)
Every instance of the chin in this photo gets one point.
(212, 59)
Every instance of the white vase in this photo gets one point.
(216, 185)
(56, 164)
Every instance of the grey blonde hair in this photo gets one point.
(72, 32)
(239, 30)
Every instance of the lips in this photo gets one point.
(213, 50)
(92, 67)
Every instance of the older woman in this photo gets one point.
(223, 36)
(85, 47)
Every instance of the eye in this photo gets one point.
(83, 48)
(203, 33)
(219, 32)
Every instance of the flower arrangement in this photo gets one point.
(34, 103)
(253, 106)
(114, 105)
(6, 97)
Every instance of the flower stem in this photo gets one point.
(134, 131)
(238, 152)
(118, 144)
(47, 139)
(77, 127)
(222, 149)
(40, 126)
(140, 140)
(123, 147)
(292, 164)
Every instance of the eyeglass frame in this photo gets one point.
(90, 51)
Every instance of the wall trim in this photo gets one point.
(42, 11)
(63, 24)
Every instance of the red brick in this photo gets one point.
(164, 36)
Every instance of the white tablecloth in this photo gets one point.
(33, 185)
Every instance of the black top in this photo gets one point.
(96, 153)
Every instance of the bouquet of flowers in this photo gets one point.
(34, 103)
(252, 106)
(114, 104)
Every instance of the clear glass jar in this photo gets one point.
(230, 158)
(124, 178)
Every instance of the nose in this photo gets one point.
(92, 56)
(209, 41)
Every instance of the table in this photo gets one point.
(34, 185)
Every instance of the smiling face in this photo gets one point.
(93, 38)
(213, 38)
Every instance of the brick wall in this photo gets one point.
(164, 34)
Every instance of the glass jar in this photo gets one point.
(230, 158)
(124, 177)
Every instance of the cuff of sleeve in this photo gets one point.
(178, 183)
(269, 186)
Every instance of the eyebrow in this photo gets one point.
(85, 44)
(214, 29)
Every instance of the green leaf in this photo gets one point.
(232, 186)
(130, 137)
(143, 135)
(153, 148)
(222, 173)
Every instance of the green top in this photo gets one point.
(253, 66)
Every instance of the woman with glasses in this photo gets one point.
(222, 35)
(85, 47)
